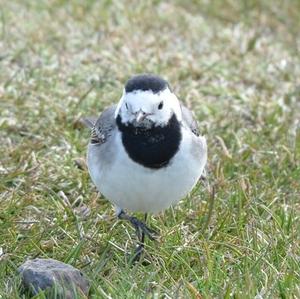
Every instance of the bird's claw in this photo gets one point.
(137, 254)
(141, 228)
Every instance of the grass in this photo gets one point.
(236, 63)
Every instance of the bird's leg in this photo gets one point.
(141, 228)
(140, 248)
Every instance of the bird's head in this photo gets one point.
(147, 101)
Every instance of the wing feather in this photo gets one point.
(103, 126)
(190, 120)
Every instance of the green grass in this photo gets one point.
(236, 63)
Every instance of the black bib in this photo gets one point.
(151, 147)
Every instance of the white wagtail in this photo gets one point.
(145, 153)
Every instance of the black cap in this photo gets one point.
(146, 82)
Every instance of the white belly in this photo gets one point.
(131, 186)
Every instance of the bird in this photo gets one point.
(145, 153)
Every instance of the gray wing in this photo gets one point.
(103, 126)
(190, 120)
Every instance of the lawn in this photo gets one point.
(235, 63)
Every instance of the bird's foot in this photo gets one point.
(140, 227)
(137, 254)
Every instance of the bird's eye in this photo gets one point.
(160, 106)
(126, 106)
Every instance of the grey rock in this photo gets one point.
(54, 277)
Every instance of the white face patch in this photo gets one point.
(158, 108)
